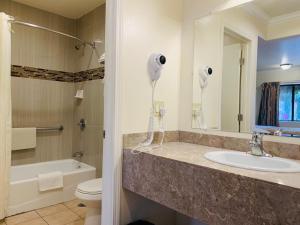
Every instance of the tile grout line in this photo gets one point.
(45, 221)
(41, 217)
(70, 209)
(24, 221)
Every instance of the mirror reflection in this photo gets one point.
(253, 54)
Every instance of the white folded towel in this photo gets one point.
(50, 181)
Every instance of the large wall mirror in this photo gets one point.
(247, 69)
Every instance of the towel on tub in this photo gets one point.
(50, 181)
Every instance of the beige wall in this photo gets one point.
(91, 27)
(41, 103)
(90, 140)
(38, 48)
(42, 49)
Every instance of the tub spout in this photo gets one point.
(78, 156)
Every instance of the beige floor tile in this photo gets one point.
(38, 221)
(72, 204)
(21, 218)
(78, 222)
(51, 210)
(80, 211)
(61, 218)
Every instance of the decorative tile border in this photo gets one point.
(54, 75)
(93, 74)
(284, 150)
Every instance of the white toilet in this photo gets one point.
(90, 194)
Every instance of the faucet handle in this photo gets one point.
(77, 155)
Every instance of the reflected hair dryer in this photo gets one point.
(203, 76)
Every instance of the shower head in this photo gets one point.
(91, 44)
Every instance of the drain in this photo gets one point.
(81, 205)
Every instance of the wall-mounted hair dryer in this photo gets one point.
(203, 76)
(155, 65)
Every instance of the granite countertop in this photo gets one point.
(178, 176)
(194, 154)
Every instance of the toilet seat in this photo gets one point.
(90, 190)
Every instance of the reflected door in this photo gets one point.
(231, 78)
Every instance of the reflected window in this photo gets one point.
(289, 102)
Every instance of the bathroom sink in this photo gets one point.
(247, 161)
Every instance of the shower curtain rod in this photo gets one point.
(92, 44)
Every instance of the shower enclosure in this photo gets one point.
(57, 72)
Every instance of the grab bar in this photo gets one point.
(60, 128)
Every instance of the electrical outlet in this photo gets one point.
(158, 105)
(196, 109)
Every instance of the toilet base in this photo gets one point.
(93, 216)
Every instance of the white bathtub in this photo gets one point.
(24, 191)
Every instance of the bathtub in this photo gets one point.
(24, 191)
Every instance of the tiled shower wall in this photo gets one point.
(38, 48)
(89, 141)
(90, 27)
(38, 102)
(43, 103)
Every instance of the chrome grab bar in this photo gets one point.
(60, 128)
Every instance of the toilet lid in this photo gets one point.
(92, 187)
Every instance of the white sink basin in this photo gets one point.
(247, 161)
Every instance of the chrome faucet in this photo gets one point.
(256, 145)
(278, 132)
(78, 156)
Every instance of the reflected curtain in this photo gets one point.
(268, 111)
(5, 111)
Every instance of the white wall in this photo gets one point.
(284, 28)
(278, 75)
(149, 27)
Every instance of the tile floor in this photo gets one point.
(62, 214)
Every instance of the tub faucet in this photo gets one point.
(256, 145)
(78, 156)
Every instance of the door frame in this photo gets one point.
(248, 40)
(112, 144)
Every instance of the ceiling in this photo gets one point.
(275, 8)
(72, 9)
(275, 52)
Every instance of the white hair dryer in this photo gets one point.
(155, 65)
(203, 76)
